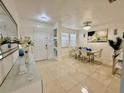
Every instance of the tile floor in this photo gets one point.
(70, 75)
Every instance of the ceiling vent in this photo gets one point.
(111, 1)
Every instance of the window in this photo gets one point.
(72, 39)
(68, 39)
(65, 39)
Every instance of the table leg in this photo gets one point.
(91, 56)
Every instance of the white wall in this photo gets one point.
(10, 4)
(107, 50)
(28, 28)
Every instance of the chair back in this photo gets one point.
(100, 52)
(83, 53)
(72, 52)
(78, 52)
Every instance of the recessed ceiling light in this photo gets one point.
(44, 17)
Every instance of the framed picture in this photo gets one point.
(84, 35)
(97, 36)
(123, 34)
(115, 31)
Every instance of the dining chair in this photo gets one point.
(83, 55)
(98, 54)
(72, 52)
(77, 54)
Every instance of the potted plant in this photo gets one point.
(116, 45)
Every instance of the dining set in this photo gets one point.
(86, 54)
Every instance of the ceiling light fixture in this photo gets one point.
(84, 90)
(87, 25)
(44, 17)
(111, 1)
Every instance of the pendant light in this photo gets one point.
(87, 25)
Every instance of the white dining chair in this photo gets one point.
(98, 54)
(72, 52)
(77, 54)
(83, 55)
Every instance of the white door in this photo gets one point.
(40, 45)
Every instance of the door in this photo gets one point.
(40, 45)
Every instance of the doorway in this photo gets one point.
(41, 45)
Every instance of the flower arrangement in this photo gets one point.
(8, 40)
(115, 44)
(5, 40)
(27, 42)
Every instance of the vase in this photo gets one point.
(22, 66)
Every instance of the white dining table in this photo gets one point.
(90, 54)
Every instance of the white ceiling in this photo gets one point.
(72, 12)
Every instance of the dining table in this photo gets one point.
(91, 55)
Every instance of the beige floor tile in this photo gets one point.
(79, 76)
(110, 91)
(53, 87)
(70, 75)
(77, 89)
(94, 85)
(115, 85)
(102, 78)
(67, 82)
